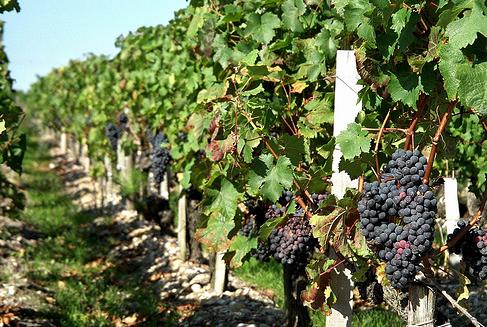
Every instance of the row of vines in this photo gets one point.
(236, 100)
(12, 140)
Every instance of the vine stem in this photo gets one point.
(484, 124)
(385, 130)
(455, 304)
(299, 200)
(377, 142)
(414, 122)
(436, 139)
(361, 181)
(470, 224)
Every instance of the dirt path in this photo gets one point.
(125, 253)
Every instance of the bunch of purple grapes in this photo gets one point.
(473, 247)
(291, 243)
(160, 157)
(397, 216)
(113, 134)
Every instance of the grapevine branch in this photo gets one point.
(484, 124)
(377, 142)
(276, 156)
(436, 139)
(455, 304)
(414, 122)
(385, 130)
(361, 181)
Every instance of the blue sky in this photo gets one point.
(48, 33)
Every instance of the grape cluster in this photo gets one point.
(263, 251)
(113, 134)
(274, 211)
(292, 243)
(473, 247)
(254, 218)
(249, 227)
(123, 121)
(318, 198)
(286, 197)
(160, 157)
(397, 216)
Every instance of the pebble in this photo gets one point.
(196, 288)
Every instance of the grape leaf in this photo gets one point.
(262, 28)
(464, 31)
(279, 177)
(462, 290)
(276, 178)
(405, 88)
(353, 141)
(450, 59)
(224, 201)
(197, 21)
(239, 249)
(221, 213)
(472, 90)
(291, 10)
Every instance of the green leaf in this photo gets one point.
(278, 179)
(472, 90)
(271, 179)
(215, 234)
(464, 31)
(400, 19)
(262, 28)
(267, 228)
(251, 57)
(353, 141)
(450, 59)
(255, 182)
(241, 246)
(406, 87)
(291, 11)
(197, 21)
(254, 91)
(294, 147)
(224, 201)
(367, 32)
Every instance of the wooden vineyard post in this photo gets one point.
(63, 143)
(193, 219)
(346, 109)
(85, 159)
(221, 274)
(182, 236)
(129, 170)
(421, 305)
(452, 215)
(109, 180)
(164, 187)
(77, 149)
(294, 283)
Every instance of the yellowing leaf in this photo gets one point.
(298, 87)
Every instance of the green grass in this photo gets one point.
(85, 294)
(268, 276)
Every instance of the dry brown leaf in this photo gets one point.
(155, 277)
(130, 320)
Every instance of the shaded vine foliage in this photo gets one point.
(244, 92)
